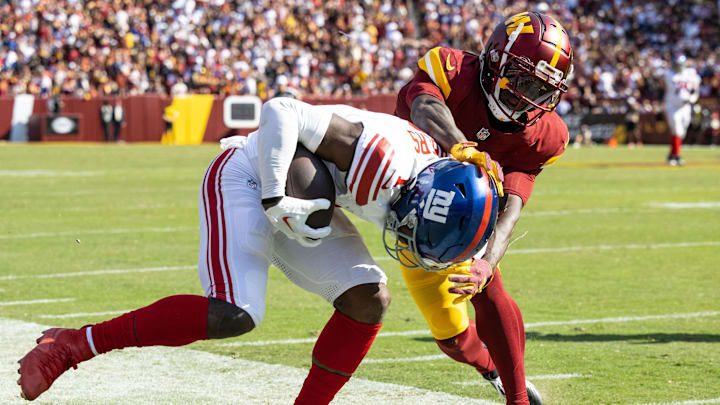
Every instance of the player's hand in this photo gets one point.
(466, 152)
(470, 277)
(290, 214)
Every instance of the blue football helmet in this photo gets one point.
(444, 216)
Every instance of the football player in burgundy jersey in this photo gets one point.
(504, 101)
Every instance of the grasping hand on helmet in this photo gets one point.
(466, 152)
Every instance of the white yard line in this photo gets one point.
(84, 314)
(32, 302)
(163, 375)
(685, 205)
(598, 247)
(527, 326)
(98, 272)
(48, 173)
(532, 377)
(96, 232)
(407, 359)
(624, 319)
(593, 211)
(615, 247)
(554, 376)
(690, 402)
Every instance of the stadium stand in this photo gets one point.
(337, 48)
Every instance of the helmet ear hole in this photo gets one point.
(461, 189)
(462, 222)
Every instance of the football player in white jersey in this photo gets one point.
(441, 212)
(682, 85)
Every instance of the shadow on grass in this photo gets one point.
(640, 338)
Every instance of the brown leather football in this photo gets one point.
(308, 178)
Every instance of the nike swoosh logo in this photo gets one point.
(448, 66)
(285, 219)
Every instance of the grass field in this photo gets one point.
(618, 278)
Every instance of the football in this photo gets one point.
(308, 178)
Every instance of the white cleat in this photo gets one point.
(532, 392)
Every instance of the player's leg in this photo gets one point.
(342, 271)
(454, 332)
(676, 122)
(500, 326)
(180, 319)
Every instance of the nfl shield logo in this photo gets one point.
(252, 184)
(482, 134)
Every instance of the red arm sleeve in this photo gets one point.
(520, 183)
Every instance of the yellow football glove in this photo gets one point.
(469, 278)
(466, 152)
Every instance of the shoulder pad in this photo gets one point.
(441, 64)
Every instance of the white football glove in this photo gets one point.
(289, 216)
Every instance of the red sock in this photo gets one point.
(469, 349)
(500, 326)
(341, 346)
(675, 143)
(173, 321)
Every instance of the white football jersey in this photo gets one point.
(681, 87)
(390, 152)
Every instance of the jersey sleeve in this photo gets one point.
(438, 69)
(520, 183)
(373, 172)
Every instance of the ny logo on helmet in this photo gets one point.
(437, 205)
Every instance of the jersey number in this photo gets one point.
(423, 143)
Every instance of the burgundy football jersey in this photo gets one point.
(453, 76)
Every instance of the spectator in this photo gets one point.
(334, 47)
(118, 117)
(106, 118)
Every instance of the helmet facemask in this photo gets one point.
(518, 87)
(399, 238)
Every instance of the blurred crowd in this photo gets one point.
(336, 47)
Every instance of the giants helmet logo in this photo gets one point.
(437, 205)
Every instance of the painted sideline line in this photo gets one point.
(97, 232)
(690, 402)
(527, 325)
(532, 377)
(177, 375)
(83, 314)
(98, 272)
(31, 302)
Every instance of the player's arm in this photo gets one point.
(284, 123)
(434, 117)
(500, 239)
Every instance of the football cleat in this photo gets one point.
(58, 349)
(533, 394)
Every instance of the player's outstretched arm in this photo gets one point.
(434, 117)
(500, 239)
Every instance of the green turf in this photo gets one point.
(593, 197)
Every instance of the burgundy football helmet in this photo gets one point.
(526, 65)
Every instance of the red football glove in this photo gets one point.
(473, 278)
(466, 152)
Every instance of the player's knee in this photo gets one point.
(227, 320)
(366, 303)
